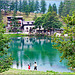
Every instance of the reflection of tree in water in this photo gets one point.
(40, 46)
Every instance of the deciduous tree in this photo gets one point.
(67, 45)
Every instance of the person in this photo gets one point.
(28, 67)
(35, 66)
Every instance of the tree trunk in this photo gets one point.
(50, 31)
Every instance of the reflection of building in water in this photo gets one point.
(27, 42)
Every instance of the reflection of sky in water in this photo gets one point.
(26, 50)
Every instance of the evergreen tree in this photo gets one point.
(61, 7)
(29, 4)
(37, 6)
(0, 11)
(50, 9)
(20, 6)
(27, 10)
(5, 58)
(16, 6)
(5, 6)
(43, 6)
(24, 5)
(66, 8)
(32, 6)
(12, 5)
(54, 8)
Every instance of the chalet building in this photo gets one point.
(28, 27)
(24, 26)
(18, 22)
(18, 18)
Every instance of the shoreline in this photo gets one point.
(18, 71)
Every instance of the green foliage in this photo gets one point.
(37, 6)
(67, 45)
(54, 8)
(61, 8)
(35, 17)
(48, 21)
(5, 59)
(20, 6)
(38, 22)
(43, 6)
(50, 8)
(12, 5)
(16, 6)
(67, 7)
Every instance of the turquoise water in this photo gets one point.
(27, 50)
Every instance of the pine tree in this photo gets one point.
(54, 8)
(43, 6)
(16, 6)
(20, 7)
(5, 58)
(32, 6)
(37, 6)
(29, 4)
(61, 7)
(0, 11)
(12, 6)
(50, 9)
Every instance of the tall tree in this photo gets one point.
(61, 8)
(38, 23)
(54, 8)
(29, 4)
(5, 6)
(51, 21)
(0, 11)
(43, 6)
(37, 6)
(32, 6)
(16, 3)
(12, 5)
(50, 9)
(67, 46)
(20, 7)
(5, 58)
(25, 7)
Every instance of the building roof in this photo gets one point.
(16, 16)
(28, 22)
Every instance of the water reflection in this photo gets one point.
(26, 50)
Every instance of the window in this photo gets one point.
(32, 22)
(27, 22)
(26, 27)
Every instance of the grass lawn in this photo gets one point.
(26, 18)
(18, 71)
(15, 35)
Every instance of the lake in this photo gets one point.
(27, 50)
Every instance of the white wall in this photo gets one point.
(25, 30)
